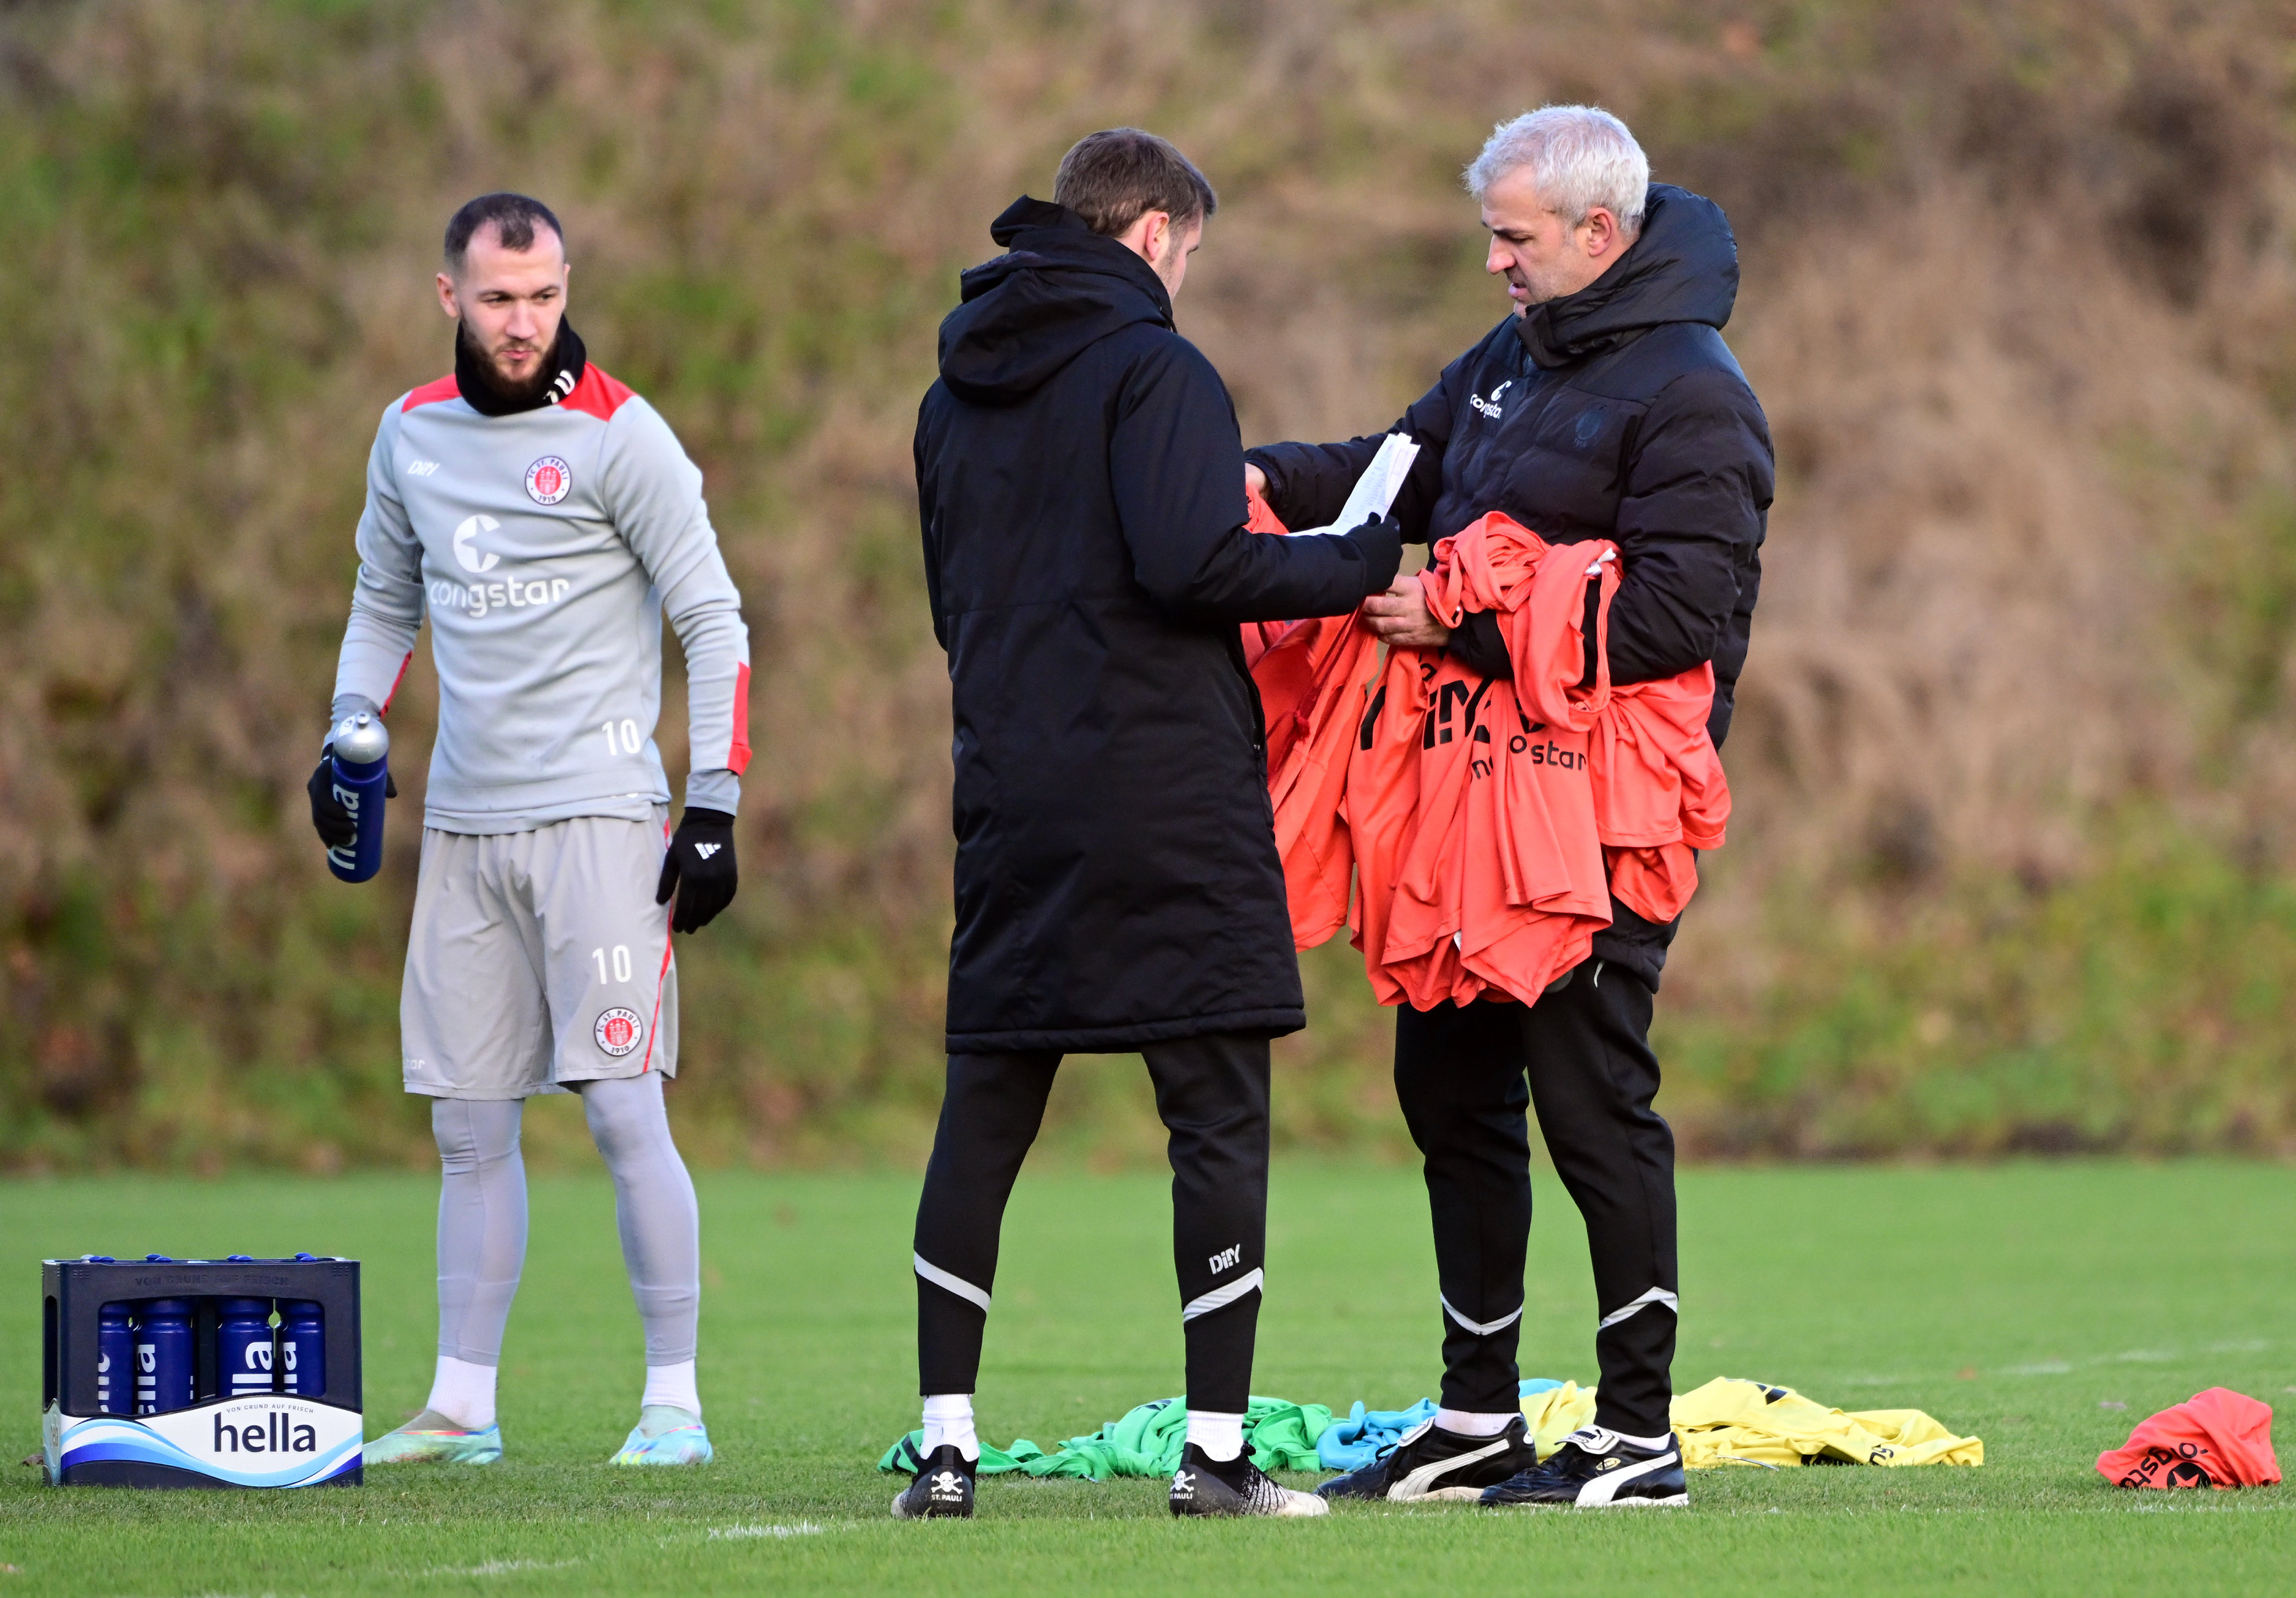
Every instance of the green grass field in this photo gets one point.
(2025, 1303)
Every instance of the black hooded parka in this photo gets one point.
(1080, 485)
(1614, 413)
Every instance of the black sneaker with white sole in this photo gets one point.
(1595, 1469)
(1431, 1463)
(942, 1491)
(1235, 1487)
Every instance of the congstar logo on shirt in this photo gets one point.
(483, 599)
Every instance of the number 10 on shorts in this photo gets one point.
(621, 963)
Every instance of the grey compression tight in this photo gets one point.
(483, 1216)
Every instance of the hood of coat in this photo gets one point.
(1684, 267)
(1059, 289)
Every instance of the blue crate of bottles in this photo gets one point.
(161, 1373)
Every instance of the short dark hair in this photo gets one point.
(1114, 177)
(514, 218)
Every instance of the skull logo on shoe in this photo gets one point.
(1184, 1485)
(946, 1488)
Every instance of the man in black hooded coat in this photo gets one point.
(1606, 407)
(1079, 480)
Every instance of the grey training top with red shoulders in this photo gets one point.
(545, 545)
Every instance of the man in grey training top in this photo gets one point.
(544, 518)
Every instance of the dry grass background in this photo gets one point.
(2011, 865)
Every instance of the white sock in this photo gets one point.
(672, 1385)
(1473, 1422)
(1664, 1440)
(1220, 1435)
(463, 1392)
(948, 1418)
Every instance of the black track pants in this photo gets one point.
(1212, 1093)
(1581, 1058)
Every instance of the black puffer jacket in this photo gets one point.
(1080, 483)
(1614, 413)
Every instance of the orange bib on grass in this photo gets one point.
(2217, 1438)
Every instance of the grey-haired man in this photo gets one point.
(1605, 406)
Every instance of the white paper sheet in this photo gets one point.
(1374, 492)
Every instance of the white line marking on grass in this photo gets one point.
(2064, 1367)
(803, 1528)
(500, 1567)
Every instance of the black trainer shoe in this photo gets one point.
(1431, 1463)
(1594, 1469)
(1235, 1487)
(942, 1491)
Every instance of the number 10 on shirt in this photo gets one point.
(622, 738)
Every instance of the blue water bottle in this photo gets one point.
(243, 1345)
(302, 1347)
(115, 1357)
(361, 758)
(164, 1356)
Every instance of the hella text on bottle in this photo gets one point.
(360, 753)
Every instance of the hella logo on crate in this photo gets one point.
(272, 1442)
(272, 1431)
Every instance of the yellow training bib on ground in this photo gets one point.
(1732, 1422)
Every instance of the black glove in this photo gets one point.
(1380, 542)
(328, 819)
(699, 869)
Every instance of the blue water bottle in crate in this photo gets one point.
(302, 1347)
(166, 1355)
(115, 1359)
(243, 1346)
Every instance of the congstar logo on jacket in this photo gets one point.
(1490, 408)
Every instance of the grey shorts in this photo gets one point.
(538, 959)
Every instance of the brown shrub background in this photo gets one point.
(2009, 867)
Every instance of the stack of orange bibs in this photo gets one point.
(1484, 823)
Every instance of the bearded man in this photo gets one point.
(543, 517)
